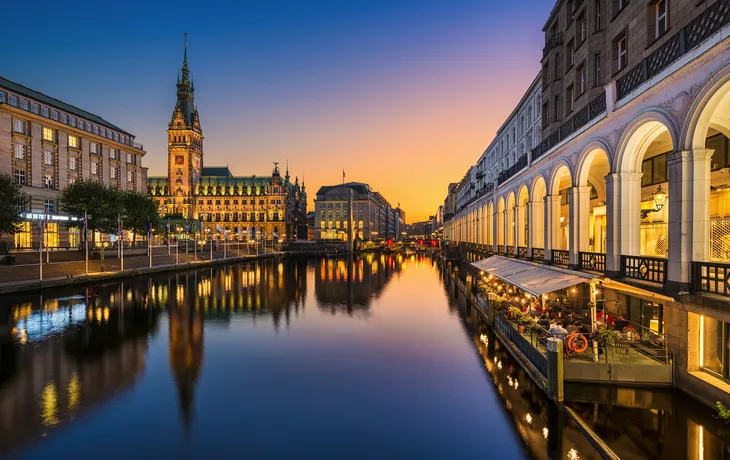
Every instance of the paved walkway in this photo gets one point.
(26, 273)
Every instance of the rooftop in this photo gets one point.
(48, 100)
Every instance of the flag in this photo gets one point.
(343, 176)
(218, 228)
(149, 225)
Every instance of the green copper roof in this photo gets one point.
(217, 171)
(53, 102)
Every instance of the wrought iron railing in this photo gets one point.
(711, 277)
(538, 254)
(593, 261)
(506, 174)
(689, 37)
(560, 257)
(555, 40)
(581, 118)
(644, 268)
(522, 252)
(510, 251)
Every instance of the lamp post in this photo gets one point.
(659, 197)
(103, 245)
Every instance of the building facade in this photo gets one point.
(229, 207)
(648, 143)
(372, 215)
(46, 145)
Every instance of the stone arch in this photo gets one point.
(560, 171)
(510, 218)
(523, 218)
(704, 143)
(490, 223)
(639, 135)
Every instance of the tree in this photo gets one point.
(12, 196)
(137, 210)
(100, 203)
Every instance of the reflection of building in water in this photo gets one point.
(261, 288)
(351, 283)
(65, 355)
(186, 346)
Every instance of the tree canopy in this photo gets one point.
(101, 203)
(137, 210)
(12, 196)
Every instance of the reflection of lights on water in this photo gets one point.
(517, 384)
(528, 418)
(701, 444)
(573, 454)
(545, 433)
(495, 360)
(49, 405)
(74, 391)
(484, 339)
(499, 364)
(509, 405)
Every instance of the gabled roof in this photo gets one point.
(53, 102)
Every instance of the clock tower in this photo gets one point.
(184, 145)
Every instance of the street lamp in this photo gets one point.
(659, 197)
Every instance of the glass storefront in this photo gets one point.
(23, 239)
(714, 346)
(50, 239)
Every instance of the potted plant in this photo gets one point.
(608, 337)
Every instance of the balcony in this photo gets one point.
(507, 174)
(555, 40)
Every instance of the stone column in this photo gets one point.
(579, 206)
(516, 230)
(529, 210)
(495, 236)
(689, 213)
(613, 243)
(552, 224)
(505, 231)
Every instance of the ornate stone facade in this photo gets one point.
(233, 207)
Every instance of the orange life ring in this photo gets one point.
(577, 342)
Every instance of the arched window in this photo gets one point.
(529, 115)
(522, 123)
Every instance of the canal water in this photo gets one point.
(373, 357)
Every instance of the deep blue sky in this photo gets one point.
(398, 93)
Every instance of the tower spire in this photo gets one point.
(185, 70)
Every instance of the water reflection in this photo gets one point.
(62, 355)
(349, 284)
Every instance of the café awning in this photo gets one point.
(537, 279)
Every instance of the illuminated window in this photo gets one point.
(48, 181)
(95, 148)
(49, 134)
(48, 158)
(94, 167)
(73, 142)
(72, 165)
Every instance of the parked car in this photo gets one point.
(7, 259)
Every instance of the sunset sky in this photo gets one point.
(401, 94)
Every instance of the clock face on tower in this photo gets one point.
(179, 160)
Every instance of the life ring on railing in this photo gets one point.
(576, 342)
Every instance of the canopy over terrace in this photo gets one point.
(537, 279)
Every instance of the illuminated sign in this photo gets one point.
(48, 217)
